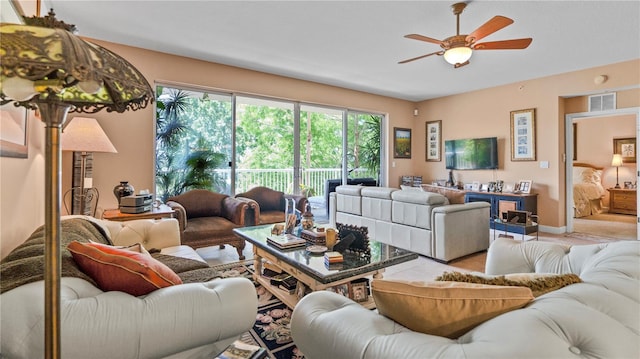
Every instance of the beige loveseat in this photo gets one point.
(190, 320)
(422, 222)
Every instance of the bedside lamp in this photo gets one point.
(84, 135)
(616, 162)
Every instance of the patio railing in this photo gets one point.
(282, 179)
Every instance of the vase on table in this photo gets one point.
(122, 190)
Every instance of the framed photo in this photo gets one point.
(342, 289)
(401, 142)
(359, 292)
(523, 135)
(13, 131)
(434, 140)
(475, 186)
(508, 187)
(523, 186)
(626, 147)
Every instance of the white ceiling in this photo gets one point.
(357, 44)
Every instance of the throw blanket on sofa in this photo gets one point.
(25, 264)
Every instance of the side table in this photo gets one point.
(162, 211)
(622, 201)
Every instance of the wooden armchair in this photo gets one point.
(207, 219)
(266, 206)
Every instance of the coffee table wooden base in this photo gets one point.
(291, 299)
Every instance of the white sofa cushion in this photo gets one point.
(378, 192)
(417, 197)
(376, 202)
(349, 189)
(348, 199)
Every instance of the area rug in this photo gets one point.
(272, 329)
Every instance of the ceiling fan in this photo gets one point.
(457, 49)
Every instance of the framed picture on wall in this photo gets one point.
(523, 135)
(626, 147)
(434, 140)
(401, 142)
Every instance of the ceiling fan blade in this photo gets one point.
(439, 53)
(496, 23)
(516, 44)
(423, 38)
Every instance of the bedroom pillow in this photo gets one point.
(447, 309)
(118, 269)
(590, 175)
(539, 283)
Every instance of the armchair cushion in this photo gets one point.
(447, 309)
(121, 269)
(208, 227)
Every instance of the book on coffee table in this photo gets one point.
(286, 241)
(241, 350)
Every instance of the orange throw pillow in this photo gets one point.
(117, 269)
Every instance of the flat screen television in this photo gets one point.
(471, 154)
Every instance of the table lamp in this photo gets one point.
(617, 162)
(84, 135)
(44, 66)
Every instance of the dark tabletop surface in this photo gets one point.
(382, 256)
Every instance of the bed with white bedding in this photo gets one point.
(587, 189)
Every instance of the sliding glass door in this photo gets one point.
(194, 143)
(364, 149)
(231, 143)
(264, 144)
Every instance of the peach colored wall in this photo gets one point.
(486, 113)
(22, 191)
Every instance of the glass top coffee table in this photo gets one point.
(310, 269)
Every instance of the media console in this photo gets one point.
(503, 202)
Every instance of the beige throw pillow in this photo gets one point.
(539, 283)
(447, 309)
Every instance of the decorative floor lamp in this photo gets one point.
(44, 66)
(84, 135)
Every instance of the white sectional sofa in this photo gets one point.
(598, 318)
(191, 320)
(422, 222)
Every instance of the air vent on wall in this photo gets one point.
(602, 102)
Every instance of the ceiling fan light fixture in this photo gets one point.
(458, 55)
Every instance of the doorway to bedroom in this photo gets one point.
(591, 178)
